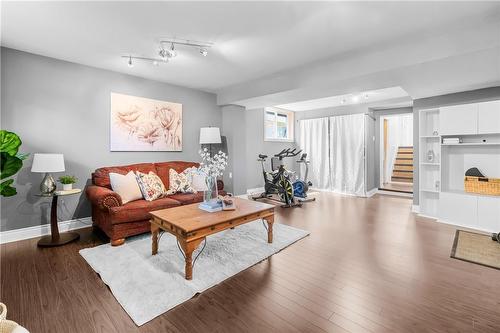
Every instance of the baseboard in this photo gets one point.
(371, 193)
(396, 194)
(367, 195)
(42, 230)
(415, 208)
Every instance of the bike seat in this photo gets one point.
(262, 156)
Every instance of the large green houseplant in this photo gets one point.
(11, 161)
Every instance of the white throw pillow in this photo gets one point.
(126, 186)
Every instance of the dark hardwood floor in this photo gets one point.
(369, 265)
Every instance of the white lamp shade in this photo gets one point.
(48, 163)
(209, 135)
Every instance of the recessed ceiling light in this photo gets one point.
(203, 51)
(156, 63)
(355, 99)
(343, 101)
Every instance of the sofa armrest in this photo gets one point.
(220, 185)
(103, 197)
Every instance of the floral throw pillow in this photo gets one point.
(180, 182)
(151, 185)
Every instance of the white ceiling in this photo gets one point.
(363, 97)
(252, 39)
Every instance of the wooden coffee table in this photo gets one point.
(192, 225)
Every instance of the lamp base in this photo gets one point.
(48, 185)
(64, 238)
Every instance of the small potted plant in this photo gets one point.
(67, 182)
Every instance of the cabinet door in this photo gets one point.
(458, 119)
(458, 208)
(488, 214)
(489, 117)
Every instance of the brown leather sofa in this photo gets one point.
(119, 220)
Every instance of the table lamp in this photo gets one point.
(209, 136)
(47, 163)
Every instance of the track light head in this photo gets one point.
(203, 51)
(172, 51)
(129, 62)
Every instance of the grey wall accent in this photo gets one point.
(377, 114)
(245, 133)
(256, 145)
(62, 107)
(472, 96)
(234, 128)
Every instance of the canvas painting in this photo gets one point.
(143, 124)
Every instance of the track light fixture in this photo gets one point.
(168, 50)
(154, 61)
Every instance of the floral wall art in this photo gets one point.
(143, 124)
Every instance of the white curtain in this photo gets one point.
(399, 133)
(313, 140)
(347, 149)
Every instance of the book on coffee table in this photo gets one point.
(211, 206)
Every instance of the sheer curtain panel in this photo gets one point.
(347, 151)
(313, 140)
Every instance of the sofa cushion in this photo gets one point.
(187, 198)
(151, 186)
(126, 186)
(101, 176)
(139, 210)
(163, 169)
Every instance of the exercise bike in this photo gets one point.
(300, 187)
(278, 180)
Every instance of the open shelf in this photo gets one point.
(472, 144)
(430, 137)
(429, 190)
(430, 164)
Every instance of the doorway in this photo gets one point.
(396, 170)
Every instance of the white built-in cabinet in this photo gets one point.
(467, 119)
(488, 117)
(441, 179)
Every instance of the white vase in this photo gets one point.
(67, 187)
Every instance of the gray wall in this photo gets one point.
(62, 107)
(256, 145)
(377, 114)
(245, 134)
(233, 127)
(472, 96)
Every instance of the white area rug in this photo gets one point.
(147, 286)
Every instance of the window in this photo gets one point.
(278, 125)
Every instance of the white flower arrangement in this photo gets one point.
(212, 166)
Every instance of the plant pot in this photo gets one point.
(67, 187)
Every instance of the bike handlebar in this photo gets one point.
(288, 153)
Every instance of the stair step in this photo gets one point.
(405, 150)
(402, 180)
(403, 167)
(404, 156)
(404, 162)
(403, 174)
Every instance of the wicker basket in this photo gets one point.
(482, 185)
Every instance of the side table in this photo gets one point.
(55, 238)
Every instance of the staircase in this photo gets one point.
(403, 165)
